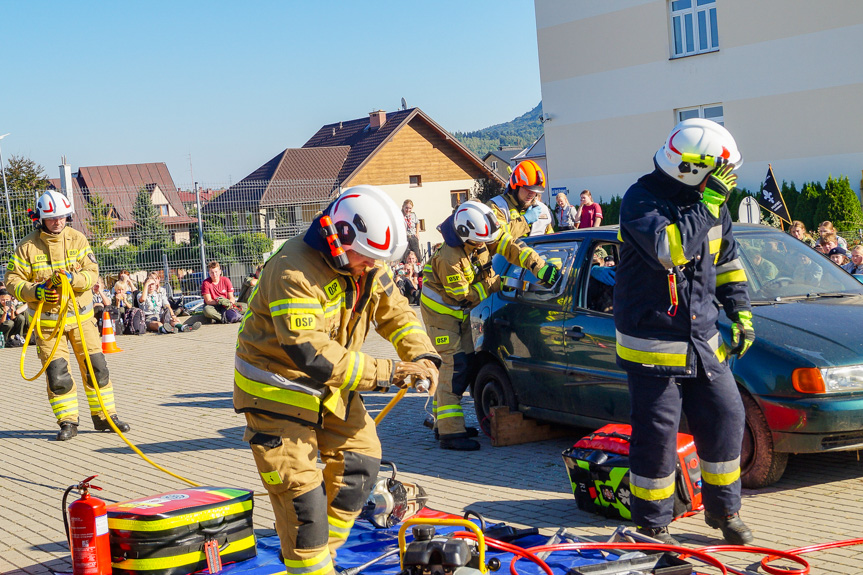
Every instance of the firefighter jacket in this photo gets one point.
(674, 247)
(298, 349)
(38, 256)
(459, 276)
(511, 217)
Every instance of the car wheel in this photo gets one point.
(492, 388)
(760, 464)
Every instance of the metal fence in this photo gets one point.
(177, 231)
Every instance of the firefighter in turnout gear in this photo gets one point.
(33, 274)
(678, 254)
(457, 278)
(519, 210)
(299, 370)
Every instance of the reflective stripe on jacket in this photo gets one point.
(456, 279)
(298, 348)
(38, 256)
(664, 226)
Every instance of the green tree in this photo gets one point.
(839, 204)
(149, 228)
(807, 203)
(25, 181)
(100, 224)
(792, 197)
(485, 189)
(611, 211)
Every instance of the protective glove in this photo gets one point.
(46, 292)
(57, 277)
(548, 274)
(435, 375)
(408, 373)
(224, 302)
(603, 274)
(742, 333)
(532, 214)
(719, 185)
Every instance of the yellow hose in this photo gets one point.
(67, 298)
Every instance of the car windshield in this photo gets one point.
(780, 267)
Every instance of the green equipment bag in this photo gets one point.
(173, 533)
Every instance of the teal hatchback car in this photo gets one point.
(551, 353)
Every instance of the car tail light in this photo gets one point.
(808, 380)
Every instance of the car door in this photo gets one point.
(537, 362)
(590, 339)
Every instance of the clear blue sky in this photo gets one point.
(235, 83)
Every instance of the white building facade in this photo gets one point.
(784, 76)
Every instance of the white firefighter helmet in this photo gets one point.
(475, 222)
(369, 222)
(53, 204)
(702, 138)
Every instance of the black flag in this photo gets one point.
(771, 197)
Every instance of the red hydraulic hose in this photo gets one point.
(809, 549)
(509, 548)
(698, 554)
(770, 555)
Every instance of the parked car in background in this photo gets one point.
(551, 353)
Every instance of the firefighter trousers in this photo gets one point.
(315, 509)
(716, 419)
(62, 394)
(452, 340)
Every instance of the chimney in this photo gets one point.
(66, 181)
(377, 119)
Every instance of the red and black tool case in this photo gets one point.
(173, 533)
(598, 467)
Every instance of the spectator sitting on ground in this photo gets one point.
(407, 279)
(798, 230)
(839, 256)
(159, 316)
(218, 294)
(855, 266)
(13, 323)
(826, 227)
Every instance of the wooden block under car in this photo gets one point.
(511, 428)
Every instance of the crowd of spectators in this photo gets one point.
(830, 244)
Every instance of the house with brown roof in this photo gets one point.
(405, 153)
(119, 186)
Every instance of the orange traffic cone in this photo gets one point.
(109, 342)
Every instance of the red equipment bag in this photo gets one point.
(598, 467)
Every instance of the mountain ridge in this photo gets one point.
(521, 131)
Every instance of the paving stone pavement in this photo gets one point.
(176, 392)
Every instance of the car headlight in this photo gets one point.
(828, 379)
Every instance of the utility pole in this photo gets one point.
(201, 232)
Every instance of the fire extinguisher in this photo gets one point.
(87, 531)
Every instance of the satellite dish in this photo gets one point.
(749, 211)
(404, 104)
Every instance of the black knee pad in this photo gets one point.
(314, 529)
(361, 472)
(100, 368)
(459, 373)
(59, 380)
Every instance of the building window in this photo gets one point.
(494, 165)
(457, 197)
(416, 181)
(693, 27)
(163, 209)
(708, 112)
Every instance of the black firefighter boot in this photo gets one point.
(68, 430)
(458, 442)
(661, 534)
(103, 425)
(734, 530)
